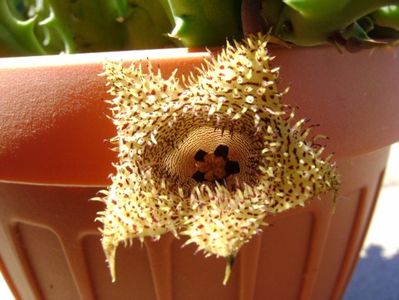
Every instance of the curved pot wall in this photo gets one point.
(54, 156)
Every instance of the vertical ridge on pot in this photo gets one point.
(285, 248)
(77, 263)
(43, 250)
(160, 258)
(321, 220)
(348, 226)
(364, 211)
(134, 277)
(248, 268)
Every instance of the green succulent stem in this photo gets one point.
(18, 35)
(317, 8)
(205, 22)
(55, 26)
(306, 28)
(387, 16)
(35, 27)
(147, 24)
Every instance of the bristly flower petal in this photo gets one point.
(254, 158)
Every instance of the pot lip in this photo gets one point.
(28, 182)
(95, 57)
(55, 60)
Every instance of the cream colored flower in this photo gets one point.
(209, 156)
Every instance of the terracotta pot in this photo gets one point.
(54, 157)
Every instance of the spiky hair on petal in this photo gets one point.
(207, 156)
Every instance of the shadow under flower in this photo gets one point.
(375, 277)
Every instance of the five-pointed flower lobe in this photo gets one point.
(169, 129)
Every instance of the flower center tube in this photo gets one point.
(216, 166)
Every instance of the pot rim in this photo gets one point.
(60, 98)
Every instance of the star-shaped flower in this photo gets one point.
(207, 157)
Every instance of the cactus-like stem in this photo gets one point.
(205, 22)
(387, 16)
(17, 35)
(55, 26)
(299, 25)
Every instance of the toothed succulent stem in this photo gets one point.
(205, 22)
(311, 23)
(387, 16)
(57, 26)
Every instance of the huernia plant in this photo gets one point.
(207, 156)
(34, 27)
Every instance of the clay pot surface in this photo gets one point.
(54, 151)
